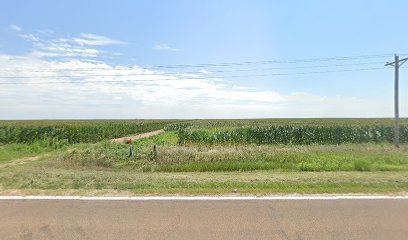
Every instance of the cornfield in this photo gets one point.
(216, 131)
(291, 135)
(178, 126)
(317, 122)
(74, 131)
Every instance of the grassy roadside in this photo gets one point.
(172, 157)
(104, 169)
(32, 179)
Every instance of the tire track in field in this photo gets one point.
(19, 161)
(116, 140)
(139, 136)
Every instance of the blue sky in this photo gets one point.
(141, 34)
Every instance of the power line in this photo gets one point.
(189, 72)
(273, 61)
(309, 60)
(170, 74)
(192, 78)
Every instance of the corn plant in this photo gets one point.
(291, 135)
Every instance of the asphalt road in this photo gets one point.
(225, 219)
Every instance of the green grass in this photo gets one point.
(167, 138)
(174, 158)
(37, 180)
(103, 168)
(9, 152)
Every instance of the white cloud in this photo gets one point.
(30, 37)
(47, 45)
(308, 105)
(86, 39)
(102, 90)
(204, 71)
(15, 28)
(165, 47)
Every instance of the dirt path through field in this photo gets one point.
(139, 136)
(116, 140)
(19, 161)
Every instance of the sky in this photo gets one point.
(200, 59)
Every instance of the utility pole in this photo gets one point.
(397, 64)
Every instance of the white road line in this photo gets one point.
(206, 198)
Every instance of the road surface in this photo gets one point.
(199, 219)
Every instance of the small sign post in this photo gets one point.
(130, 149)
